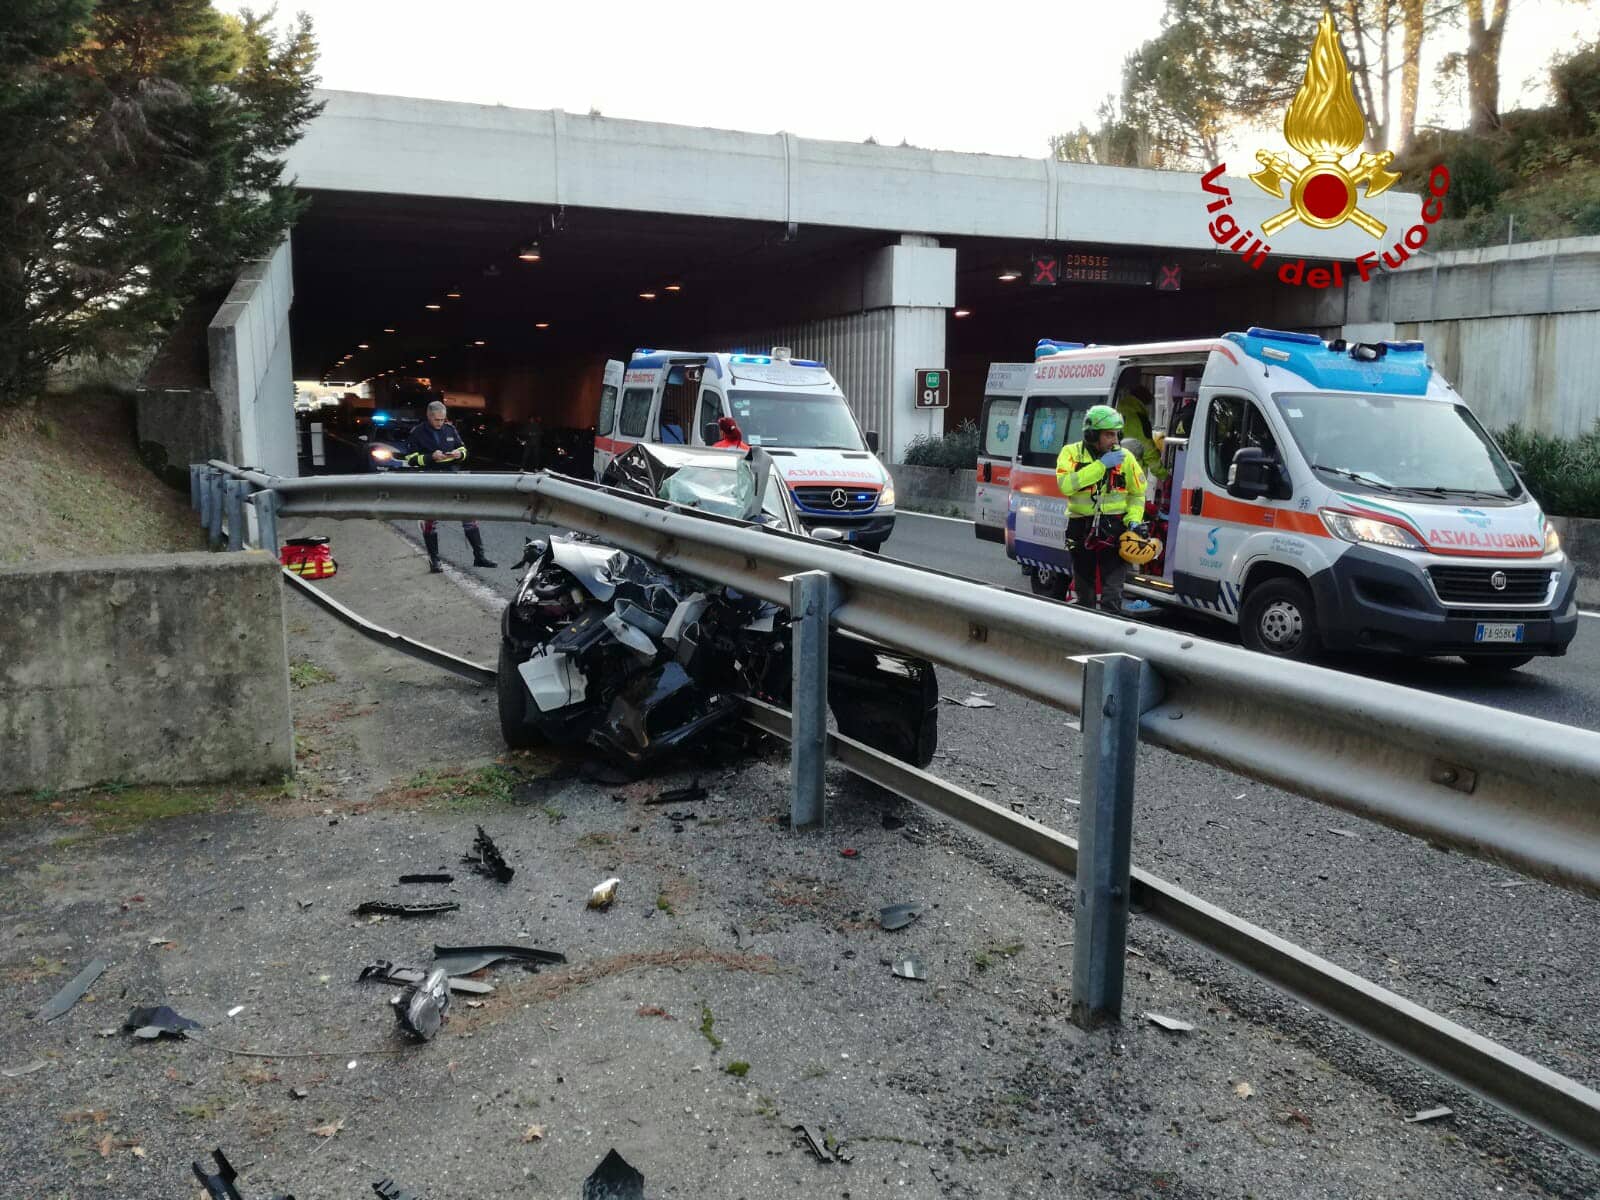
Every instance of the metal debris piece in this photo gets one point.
(298, 1093)
(439, 877)
(388, 1189)
(614, 1179)
(910, 968)
(486, 858)
(220, 1186)
(1346, 833)
(37, 1064)
(464, 960)
(682, 795)
(422, 1008)
(818, 1146)
(63, 1000)
(158, 1021)
(388, 909)
(972, 701)
(604, 893)
(1171, 1024)
(1430, 1114)
(898, 916)
(384, 971)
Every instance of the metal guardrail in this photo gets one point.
(1497, 785)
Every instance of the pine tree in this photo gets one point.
(142, 143)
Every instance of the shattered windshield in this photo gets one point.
(726, 491)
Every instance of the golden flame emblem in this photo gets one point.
(1325, 124)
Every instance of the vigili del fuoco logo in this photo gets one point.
(1324, 123)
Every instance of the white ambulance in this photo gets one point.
(790, 407)
(1326, 497)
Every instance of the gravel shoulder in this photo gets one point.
(732, 941)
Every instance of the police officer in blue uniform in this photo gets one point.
(436, 446)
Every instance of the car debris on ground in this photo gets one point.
(439, 877)
(607, 648)
(220, 1186)
(1171, 1024)
(1430, 1114)
(387, 908)
(907, 967)
(824, 1148)
(158, 1021)
(898, 916)
(687, 794)
(485, 858)
(424, 1007)
(464, 960)
(604, 893)
(69, 995)
(384, 971)
(614, 1179)
(388, 1189)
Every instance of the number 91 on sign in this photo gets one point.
(933, 388)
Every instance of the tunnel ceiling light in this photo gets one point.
(363, 346)
(1010, 275)
(453, 294)
(419, 360)
(541, 324)
(647, 295)
(963, 312)
(674, 287)
(480, 342)
(530, 252)
(388, 330)
(433, 307)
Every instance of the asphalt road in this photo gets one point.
(1566, 690)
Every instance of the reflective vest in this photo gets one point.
(1089, 490)
(1136, 424)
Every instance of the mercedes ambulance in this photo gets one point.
(1328, 496)
(790, 407)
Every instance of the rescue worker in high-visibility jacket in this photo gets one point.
(1104, 486)
(1134, 407)
(435, 445)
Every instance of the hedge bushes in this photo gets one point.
(1562, 473)
(957, 449)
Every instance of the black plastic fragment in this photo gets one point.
(486, 858)
(815, 1144)
(63, 1000)
(388, 1189)
(464, 960)
(898, 916)
(389, 909)
(681, 795)
(423, 1007)
(158, 1021)
(614, 1179)
(220, 1186)
(436, 878)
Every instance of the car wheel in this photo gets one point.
(1047, 581)
(1496, 662)
(1280, 618)
(516, 727)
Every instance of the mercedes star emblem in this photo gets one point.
(840, 498)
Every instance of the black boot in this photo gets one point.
(431, 541)
(479, 558)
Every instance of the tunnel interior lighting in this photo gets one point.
(674, 287)
(387, 330)
(480, 342)
(453, 294)
(432, 307)
(541, 324)
(647, 295)
(363, 346)
(530, 252)
(963, 312)
(1010, 275)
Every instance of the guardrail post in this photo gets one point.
(236, 490)
(267, 520)
(214, 498)
(1105, 836)
(810, 603)
(202, 486)
(194, 485)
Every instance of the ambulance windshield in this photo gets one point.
(1406, 444)
(795, 420)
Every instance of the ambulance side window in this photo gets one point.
(608, 409)
(1051, 422)
(1232, 424)
(635, 411)
(999, 427)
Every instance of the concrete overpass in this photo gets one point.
(876, 259)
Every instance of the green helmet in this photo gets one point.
(1100, 418)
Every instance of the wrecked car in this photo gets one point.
(604, 647)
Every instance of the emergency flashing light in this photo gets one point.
(760, 359)
(1048, 346)
(380, 418)
(1281, 335)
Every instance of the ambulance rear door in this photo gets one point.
(998, 426)
(605, 423)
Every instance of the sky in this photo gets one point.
(995, 77)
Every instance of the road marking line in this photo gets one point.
(906, 512)
(1583, 612)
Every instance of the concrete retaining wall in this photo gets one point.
(251, 373)
(161, 668)
(179, 426)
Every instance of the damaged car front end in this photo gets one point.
(604, 647)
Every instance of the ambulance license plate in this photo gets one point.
(1498, 633)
